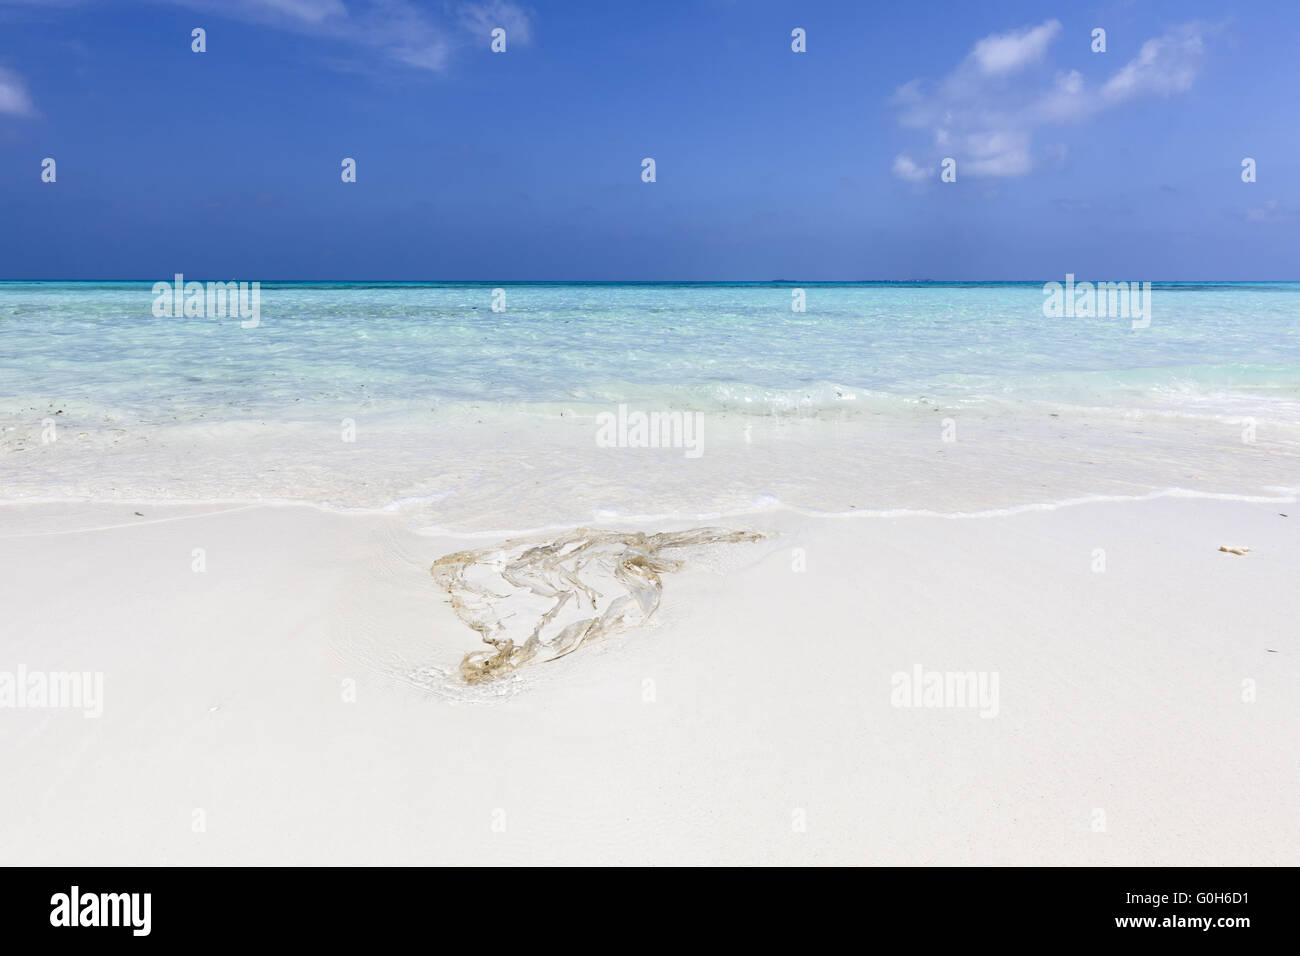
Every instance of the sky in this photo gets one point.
(769, 163)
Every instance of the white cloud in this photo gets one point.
(480, 19)
(309, 11)
(905, 168)
(984, 118)
(14, 98)
(1071, 84)
(1163, 67)
(1008, 52)
(397, 30)
(996, 153)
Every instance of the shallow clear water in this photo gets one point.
(418, 397)
(706, 346)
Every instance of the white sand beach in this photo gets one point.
(749, 434)
(298, 702)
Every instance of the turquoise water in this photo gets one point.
(97, 347)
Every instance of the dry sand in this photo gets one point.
(296, 701)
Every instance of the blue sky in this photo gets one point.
(770, 164)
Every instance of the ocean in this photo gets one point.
(826, 376)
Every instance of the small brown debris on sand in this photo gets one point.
(485, 587)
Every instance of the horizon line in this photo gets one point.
(504, 282)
